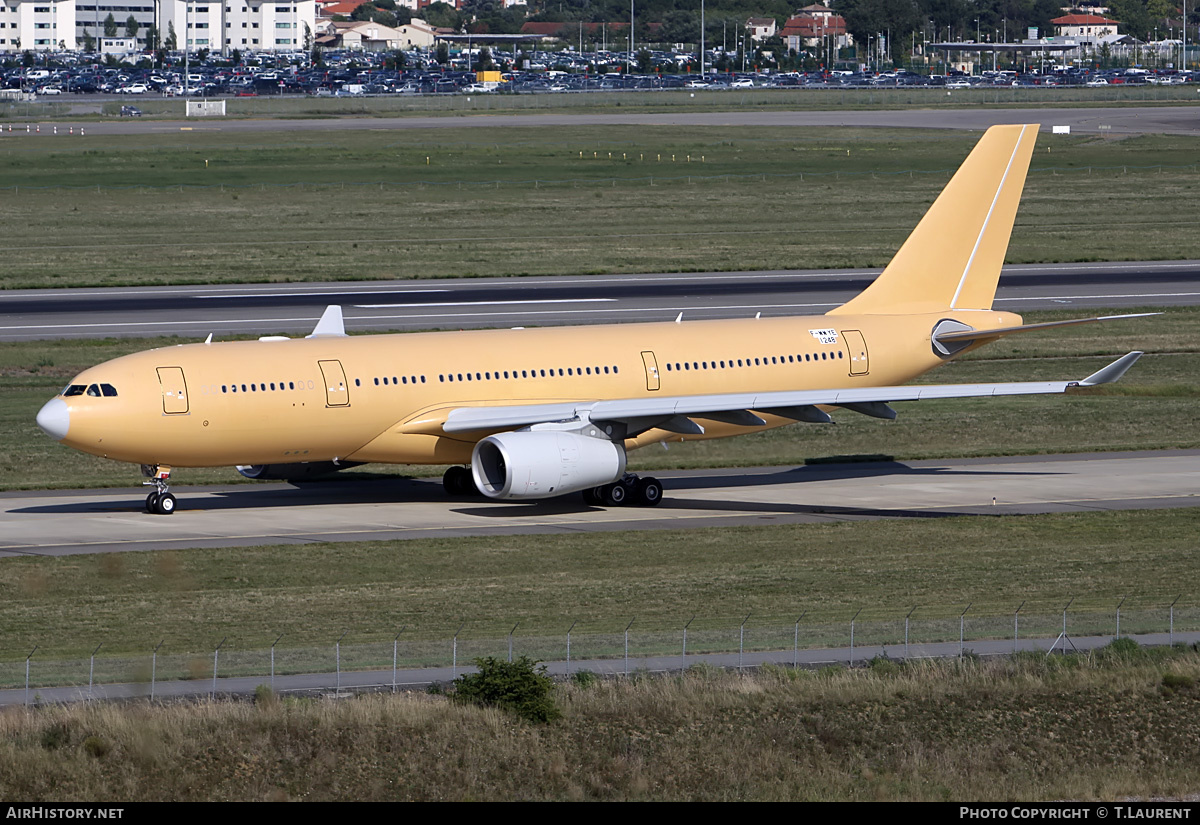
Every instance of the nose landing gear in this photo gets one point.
(159, 502)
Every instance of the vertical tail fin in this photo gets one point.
(952, 259)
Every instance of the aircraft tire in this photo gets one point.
(166, 504)
(615, 494)
(649, 492)
(458, 482)
(152, 503)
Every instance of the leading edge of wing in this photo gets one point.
(468, 419)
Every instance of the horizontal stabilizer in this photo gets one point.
(960, 335)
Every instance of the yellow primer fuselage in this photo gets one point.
(383, 398)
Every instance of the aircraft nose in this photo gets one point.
(55, 418)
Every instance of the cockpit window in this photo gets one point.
(108, 390)
(94, 390)
(74, 389)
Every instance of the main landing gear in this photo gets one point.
(629, 491)
(159, 502)
(458, 482)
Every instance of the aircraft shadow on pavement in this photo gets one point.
(830, 472)
(400, 491)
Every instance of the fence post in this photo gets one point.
(92, 668)
(631, 621)
(1171, 631)
(277, 638)
(27, 658)
(852, 621)
(569, 629)
(216, 654)
(906, 618)
(962, 622)
(683, 663)
(510, 635)
(154, 667)
(395, 650)
(796, 642)
(454, 653)
(1123, 598)
(1016, 625)
(742, 640)
(337, 653)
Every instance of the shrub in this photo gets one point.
(584, 678)
(520, 687)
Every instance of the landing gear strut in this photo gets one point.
(160, 501)
(628, 491)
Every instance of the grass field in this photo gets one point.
(202, 207)
(1119, 725)
(313, 594)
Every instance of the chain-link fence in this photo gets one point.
(615, 645)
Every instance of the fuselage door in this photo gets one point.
(856, 345)
(337, 393)
(652, 381)
(174, 390)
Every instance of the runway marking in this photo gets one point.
(321, 294)
(488, 303)
(1095, 297)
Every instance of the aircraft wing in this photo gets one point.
(675, 413)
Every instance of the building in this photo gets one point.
(248, 25)
(1084, 28)
(760, 28)
(814, 26)
(365, 35)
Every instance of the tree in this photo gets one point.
(151, 36)
(89, 42)
(235, 57)
(442, 15)
(131, 27)
(172, 42)
(308, 38)
(110, 26)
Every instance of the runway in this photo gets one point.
(196, 311)
(60, 523)
(1183, 120)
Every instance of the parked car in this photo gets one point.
(130, 111)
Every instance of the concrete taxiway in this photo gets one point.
(90, 521)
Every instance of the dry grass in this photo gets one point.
(1101, 727)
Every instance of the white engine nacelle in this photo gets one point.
(527, 465)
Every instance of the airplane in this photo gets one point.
(526, 414)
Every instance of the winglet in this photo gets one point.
(1112, 372)
(330, 325)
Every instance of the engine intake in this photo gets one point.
(532, 465)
